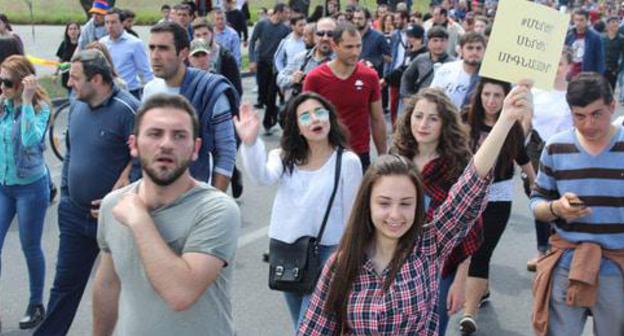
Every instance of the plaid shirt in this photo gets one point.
(409, 306)
(437, 185)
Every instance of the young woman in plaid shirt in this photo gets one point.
(431, 134)
(384, 277)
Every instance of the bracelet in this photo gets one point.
(552, 211)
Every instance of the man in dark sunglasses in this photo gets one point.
(290, 79)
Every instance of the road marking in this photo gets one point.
(253, 236)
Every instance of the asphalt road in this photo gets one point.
(258, 310)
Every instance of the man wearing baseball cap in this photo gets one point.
(94, 29)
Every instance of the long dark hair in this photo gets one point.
(360, 233)
(295, 148)
(66, 35)
(475, 118)
(453, 143)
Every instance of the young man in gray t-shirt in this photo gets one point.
(166, 240)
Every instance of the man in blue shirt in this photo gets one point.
(225, 35)
(101, 120)
(580, 186)
(212, 96)
(375, 47)
(128, 54)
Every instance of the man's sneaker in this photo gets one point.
(467, 325)
(33, 316)
(484, 299)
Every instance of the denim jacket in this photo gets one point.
(26, 163)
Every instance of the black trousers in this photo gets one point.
(267, 92)
(611, 76)
(495, 218)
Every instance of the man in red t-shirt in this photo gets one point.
(354, 90)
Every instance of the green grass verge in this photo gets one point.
(52, 85)
(59, 12)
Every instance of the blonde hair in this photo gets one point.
(19, 67)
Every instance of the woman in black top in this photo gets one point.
(68, 47)
(485, 108)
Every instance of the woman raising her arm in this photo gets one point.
(384, 277)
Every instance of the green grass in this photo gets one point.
(52, 85)
(59, 12)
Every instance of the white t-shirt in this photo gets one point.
(452, 78)
(551, 113)
(158, 85)
(302, 197)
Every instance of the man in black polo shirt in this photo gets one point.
(268, 34)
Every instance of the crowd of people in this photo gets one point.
(395, 239)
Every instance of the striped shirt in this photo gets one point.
(598, 180)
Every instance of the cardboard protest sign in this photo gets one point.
(526, 42)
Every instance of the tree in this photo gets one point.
(87, 4)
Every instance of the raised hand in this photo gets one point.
(130, 210)
(247, 124)
(518, 104)
(29, 83)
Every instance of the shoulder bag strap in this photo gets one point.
(307, 59)
(333, 195)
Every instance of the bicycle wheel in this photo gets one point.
(57, 132)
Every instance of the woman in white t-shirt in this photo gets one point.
(551, 115)
(303, 167)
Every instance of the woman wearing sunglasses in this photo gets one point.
(303, 167)
(24, 186)
(384, 277)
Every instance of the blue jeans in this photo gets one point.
(621, 85)
(445, 285)
(78, 249)
(298, 304)
(29, 202)
(608, 312)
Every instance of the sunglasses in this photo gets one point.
(320, 113)
(7, 82)
(327, 33)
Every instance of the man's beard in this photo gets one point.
(472, 63)
(168, 178)
(325, 49)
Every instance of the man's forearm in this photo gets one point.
(379, 134)
(169, 274)
(220, 182)
(124, 177)
(543, 213)
(105, 304)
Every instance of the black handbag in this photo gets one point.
(296, 267)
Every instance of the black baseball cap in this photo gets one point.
(415, 31)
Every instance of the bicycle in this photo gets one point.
(57, 132)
